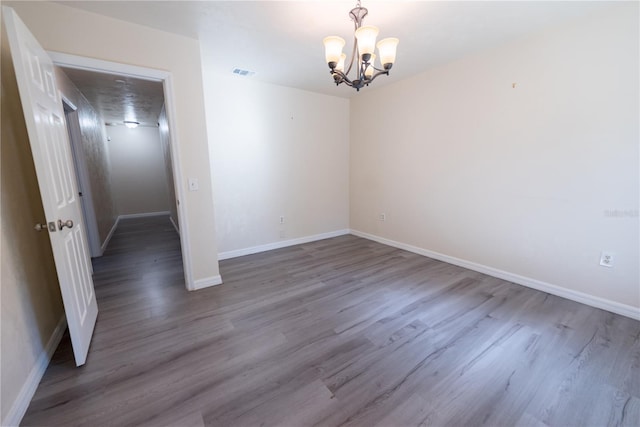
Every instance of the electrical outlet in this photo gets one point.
(283, 234)
(282, 220)
(382, 217)
(606, 259)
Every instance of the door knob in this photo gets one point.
(67, 223)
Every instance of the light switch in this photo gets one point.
(193, 184)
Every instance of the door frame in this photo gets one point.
(84, 186)
(126, 70)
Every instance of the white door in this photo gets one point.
(44, 116)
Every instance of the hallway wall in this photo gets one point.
(165, 139)
(138, 176)
(96, 155)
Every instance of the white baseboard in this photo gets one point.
(581, 297)
(206, 282)
(174, 225)
(21, 404)
(277, 245)
(109, 236)
(143, 215)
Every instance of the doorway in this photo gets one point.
(66, 61)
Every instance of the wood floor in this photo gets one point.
(342, 331)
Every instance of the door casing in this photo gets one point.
(84, 186)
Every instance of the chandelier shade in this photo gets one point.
(340, 66)
(363, 56)
(387, 50)
(333, 48)
(366, 39)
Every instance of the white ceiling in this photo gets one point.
(282, 40)
(120, 98)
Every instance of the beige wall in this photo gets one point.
(518, 179)
(67, 30)
(29, 293)
(96, 155)
(138, 176)
(165, 138)
(276, 151)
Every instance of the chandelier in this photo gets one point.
(363, 58)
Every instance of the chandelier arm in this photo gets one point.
(343, 78)
(381, 70)
(353, 55)
(376, 75)
(357, 18)
(357, 15)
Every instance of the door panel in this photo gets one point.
(48, 137)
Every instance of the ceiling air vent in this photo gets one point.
(244, 73)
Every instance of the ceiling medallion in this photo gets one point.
(363, 56)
